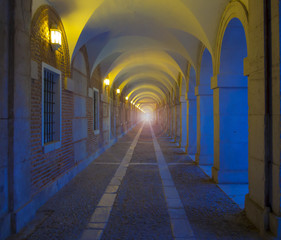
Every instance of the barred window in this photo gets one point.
(96, 109)
(51, 107)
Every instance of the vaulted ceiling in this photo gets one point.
(143, 46)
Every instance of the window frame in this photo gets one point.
(56, 143)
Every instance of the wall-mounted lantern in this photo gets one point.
(127, 98)
(55, 34)
(118, 91)
(106, 81)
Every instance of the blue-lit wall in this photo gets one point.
(232, 93)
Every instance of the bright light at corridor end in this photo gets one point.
(147, 117)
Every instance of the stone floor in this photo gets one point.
(141, 188)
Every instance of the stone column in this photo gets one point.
(275, 216)
(15, 19)
(174, 122)
(5, 214)
(178, 122)
(183, 122)
(191, 125)
(205, 126)
(256, 206)
(171, 117)
(174, 134)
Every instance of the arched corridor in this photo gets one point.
(128, 119)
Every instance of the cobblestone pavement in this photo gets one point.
(139, 211)
(66, 214)
(211, 213)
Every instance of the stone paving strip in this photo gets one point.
(102, 212)
(179, 222)
(140, 211)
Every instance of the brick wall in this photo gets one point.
(45, 168)
(77, 106)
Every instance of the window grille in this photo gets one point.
(96, 109)
(49, 105)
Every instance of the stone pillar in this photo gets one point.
(15, 81)
(191, 125)
(174, 134)
(205, 127)
(171, 117)
(5, 215)
(174, 122)
(183, 122)
(231, 132)
(257, 209)
(275, 216)
(178, 122)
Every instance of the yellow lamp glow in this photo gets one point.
(55, 37)
(118, 91)
(127, 98)
(106, 82)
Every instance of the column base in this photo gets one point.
(275, 225)
(230, 176)
(256, 214)
(204, 160)
(262, 218)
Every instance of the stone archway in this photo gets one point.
(231, 112)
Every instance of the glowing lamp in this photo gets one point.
(127, 98)
(106, 82)
(55, 37)
(118, 91)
